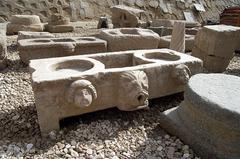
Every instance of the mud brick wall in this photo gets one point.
(92, 9)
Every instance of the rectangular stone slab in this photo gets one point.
(57, 47)
(125, 80)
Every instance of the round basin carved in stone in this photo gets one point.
(86, 39)
(72, 66)
(63, 40)
(167, 56)
(41, 41)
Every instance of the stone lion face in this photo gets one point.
(133, 91)
(181, 74)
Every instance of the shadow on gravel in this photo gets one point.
(23, 127)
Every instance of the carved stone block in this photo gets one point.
(124, 16)
(59, 24)
(74, 85)
(33, 35)
(24, 23)
(56, 47)
(209, 117)
(130, 39)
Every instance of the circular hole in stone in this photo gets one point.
(167, 56)
(63, 40)
(42, 41)
(112, 32)
(130, 31)
(87, 39)
(72, 66)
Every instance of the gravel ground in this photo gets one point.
(104, 134)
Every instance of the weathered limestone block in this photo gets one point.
(215, 45)
(178, 37)
(130, 39)
(189, 42)
(56, 47)
(24, 23)
(218, 40)
(209, 117)
(74, 85)
(123, 16)
(3, 51)
(33, 35)
(59, 24)
(210, 62)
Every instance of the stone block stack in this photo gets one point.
(215, 45)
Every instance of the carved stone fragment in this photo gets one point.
(123, 16)
(74, 85)
(24, 23)
(59, 24)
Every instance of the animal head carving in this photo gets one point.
(133, 91)
(81, 93)
(181, 74)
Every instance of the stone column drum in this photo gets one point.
(209, 117)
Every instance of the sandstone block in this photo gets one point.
(24, 23)
(130, 39)
(208, 119)
(33, 35)
(56, 47)
(74, 85)
(218, 40)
